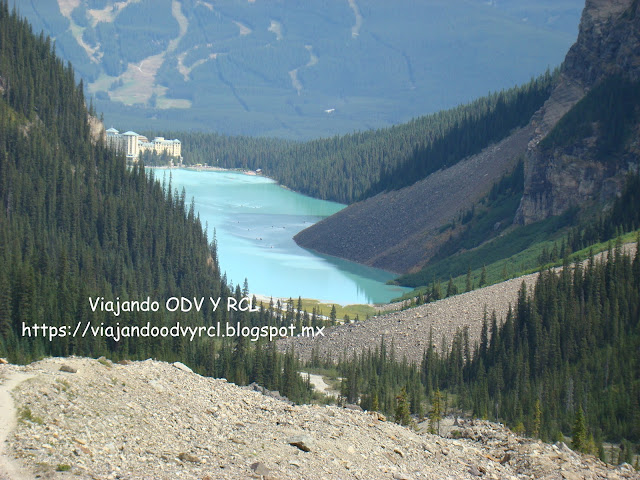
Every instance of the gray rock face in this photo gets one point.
(608, 42)
(556, 180)
(561, 180)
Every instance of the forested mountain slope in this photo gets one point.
(78, 228)
(75, 223)
(400, 229)
(532, 351)
(298, 70)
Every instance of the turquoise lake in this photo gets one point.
(255, 220)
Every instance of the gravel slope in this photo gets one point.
(396, 230)
(9, 467)
(409, 329)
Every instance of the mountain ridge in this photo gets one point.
(562, 176)
(354, 232)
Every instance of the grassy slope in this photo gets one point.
(508, 249)
(523, 263)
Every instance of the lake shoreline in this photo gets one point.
(255, 219)
(203, 168)
(374, 308)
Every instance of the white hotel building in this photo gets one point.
(133, 144)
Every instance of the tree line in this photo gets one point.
(353, 167)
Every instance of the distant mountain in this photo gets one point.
(576, 151)
(353, 167)
(298, 70)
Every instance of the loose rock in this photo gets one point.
(168, 424)
(187, 457)
(260, 469)
(303, 442)
(182, 366)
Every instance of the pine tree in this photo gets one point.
(483, 276)
(579, 433)
(5, 306)
(299, 315)
(402, 416)
(537, 419)
(504, 273)
(451, 288)
(484, 335)
(436, 290)
(333, 315)
(375, 403)
(436, 411)
(468, 286)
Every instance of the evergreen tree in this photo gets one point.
(468, 286)
(451, 288)
(579, 433)
(437, 409)
(537, 419)
(483, 276)
(402, 415)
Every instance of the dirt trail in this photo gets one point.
(319, 384)
(10, 469)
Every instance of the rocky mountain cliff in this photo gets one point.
(94, 419)
(608, 42)
(561, 177)
(401, 230)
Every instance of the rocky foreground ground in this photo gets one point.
(84, 418)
